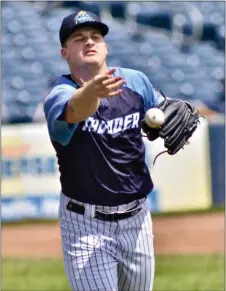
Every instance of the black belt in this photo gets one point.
(71, 206)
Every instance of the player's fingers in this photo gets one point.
(115, 93)
(111, 71)
(111, 94)
(106, 76)
(116, 85)
(100, 78)
(111, 80)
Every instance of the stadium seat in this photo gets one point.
(204, 92)
(5, 116)
(92, 6)
(220, 38)
(20, 40)
(117, 9)
(155, 17)
(170, 89)
(19, 114)
(8, 96)
(58, 14)
(216, 72)
(7, 14)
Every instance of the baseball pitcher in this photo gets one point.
(95, 119)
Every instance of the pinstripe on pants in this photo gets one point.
(107, 256)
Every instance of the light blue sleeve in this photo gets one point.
(139, 82)
(152, 97)
(59, 130)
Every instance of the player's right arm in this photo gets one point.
(85, 100)
(66, 106)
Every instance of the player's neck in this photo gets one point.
(85, 74)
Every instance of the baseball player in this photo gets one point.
(94, 118)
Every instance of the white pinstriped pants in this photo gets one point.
(107, 256)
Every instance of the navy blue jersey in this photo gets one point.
(102, 159)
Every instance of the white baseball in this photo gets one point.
(154, 117)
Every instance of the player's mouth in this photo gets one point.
(90, 52)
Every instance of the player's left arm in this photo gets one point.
(181, 118)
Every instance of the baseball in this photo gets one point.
(154, 117)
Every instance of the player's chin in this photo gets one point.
(91, 59)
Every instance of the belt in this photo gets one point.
(71, 206)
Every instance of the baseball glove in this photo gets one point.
(181, 120)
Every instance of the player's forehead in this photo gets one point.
(85, 31)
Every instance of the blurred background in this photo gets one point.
(180, 46)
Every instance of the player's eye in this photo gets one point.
(77, 39)
(96, 36)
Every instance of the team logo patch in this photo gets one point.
(83, 16)
(81, 13)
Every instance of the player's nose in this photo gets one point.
(89, 41)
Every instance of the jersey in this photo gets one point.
(102, 158)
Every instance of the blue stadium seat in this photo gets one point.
(58, 14)
(8, 96)
(175, 60)
(5, 115)
(209, 31)
(216, 73)
(177, 75)
(40, 40)
(220, 38)
(81, 5)
(121, 52)
(117, 9)
(206, 90)
(216, 18)
(21, 8)
(52, 24)
(20, 40)
(91, 6)
(186, 91)
(19, 114)
(155, 17)
(17, 83)
(14, 26)
(57, 65)
(207, 7)
(7, 14)
(170, 89)
(160, 78)
(24, 97)
(28, 53)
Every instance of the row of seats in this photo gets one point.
(31, 55)
(165, 15)
(156, 14)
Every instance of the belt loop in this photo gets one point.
(90, 210)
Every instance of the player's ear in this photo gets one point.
(106, 49)
(64, 53)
